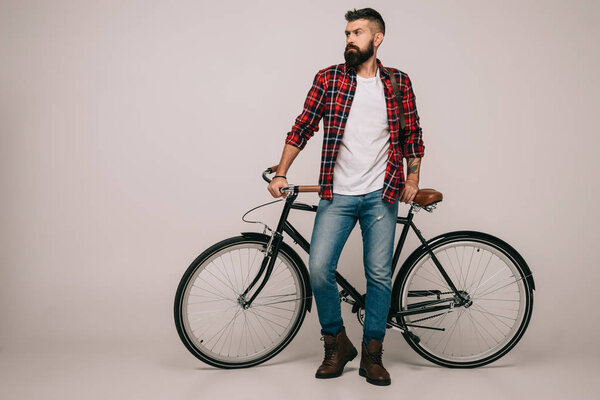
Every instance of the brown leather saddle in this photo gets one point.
(428, 197)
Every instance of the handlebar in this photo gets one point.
(273, 169)
(291, 188)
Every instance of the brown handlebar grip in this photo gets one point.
(309, 188)
(274, 169)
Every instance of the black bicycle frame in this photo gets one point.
(348, 290)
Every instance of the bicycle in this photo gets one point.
(242, 301)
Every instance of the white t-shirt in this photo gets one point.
(362, 157)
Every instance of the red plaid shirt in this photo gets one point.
(330, 98)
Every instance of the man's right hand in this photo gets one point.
(275, 185)
(289, 153)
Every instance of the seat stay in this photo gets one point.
(435, 260)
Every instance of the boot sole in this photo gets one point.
(384, 382)
(336, 374)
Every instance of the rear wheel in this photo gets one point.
(210, 318)
(493, 278)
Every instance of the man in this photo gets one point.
(362, 179)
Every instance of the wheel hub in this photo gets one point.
(242, 302)
(463, 299)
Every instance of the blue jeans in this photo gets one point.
(334, 221)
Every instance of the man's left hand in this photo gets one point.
(409, 192)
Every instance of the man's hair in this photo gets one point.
(366, 13)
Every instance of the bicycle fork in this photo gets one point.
(271, 251)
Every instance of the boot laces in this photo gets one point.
(376, 357)
(330, 350)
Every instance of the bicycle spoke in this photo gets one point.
(267, 319)
(460, 314)
(486, 331)
(489, 320)
(451, 264)
(209, 311)
(468, 269)
(484, 271)
(437, 325)
(271, 313)
(488, 279)
(278, 308)
(233, 270)
(442, 282)
(224, 283)
(493, 315)
(208, 323)
(239, 268)
(219, 295)
(475, 331)
(510, 283)
(222, 330)
(460, 263)
(212, 299)
(477, 268)
(249, 332)
(496, 315)
(258, 337)
(243, 334)
(229, 336)
(493, 284)
(512, 300)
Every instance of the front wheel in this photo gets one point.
(210, 318)
(489, 316)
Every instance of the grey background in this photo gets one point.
(133, 134)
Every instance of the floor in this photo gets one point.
(161, 368)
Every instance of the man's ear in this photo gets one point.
(378, 39)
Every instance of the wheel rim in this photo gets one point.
(214, 320)
(473, 333)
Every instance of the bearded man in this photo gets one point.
(361, 179)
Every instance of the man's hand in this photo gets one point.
(409, 192)
(287, 157)
(411, 185)
(275, 185)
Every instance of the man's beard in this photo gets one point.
(357, 57)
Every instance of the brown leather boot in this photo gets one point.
(338, 351)
(371, 365)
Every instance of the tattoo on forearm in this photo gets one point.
(413, 166)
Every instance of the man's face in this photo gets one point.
(359, 42)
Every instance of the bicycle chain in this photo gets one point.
(431, 316)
